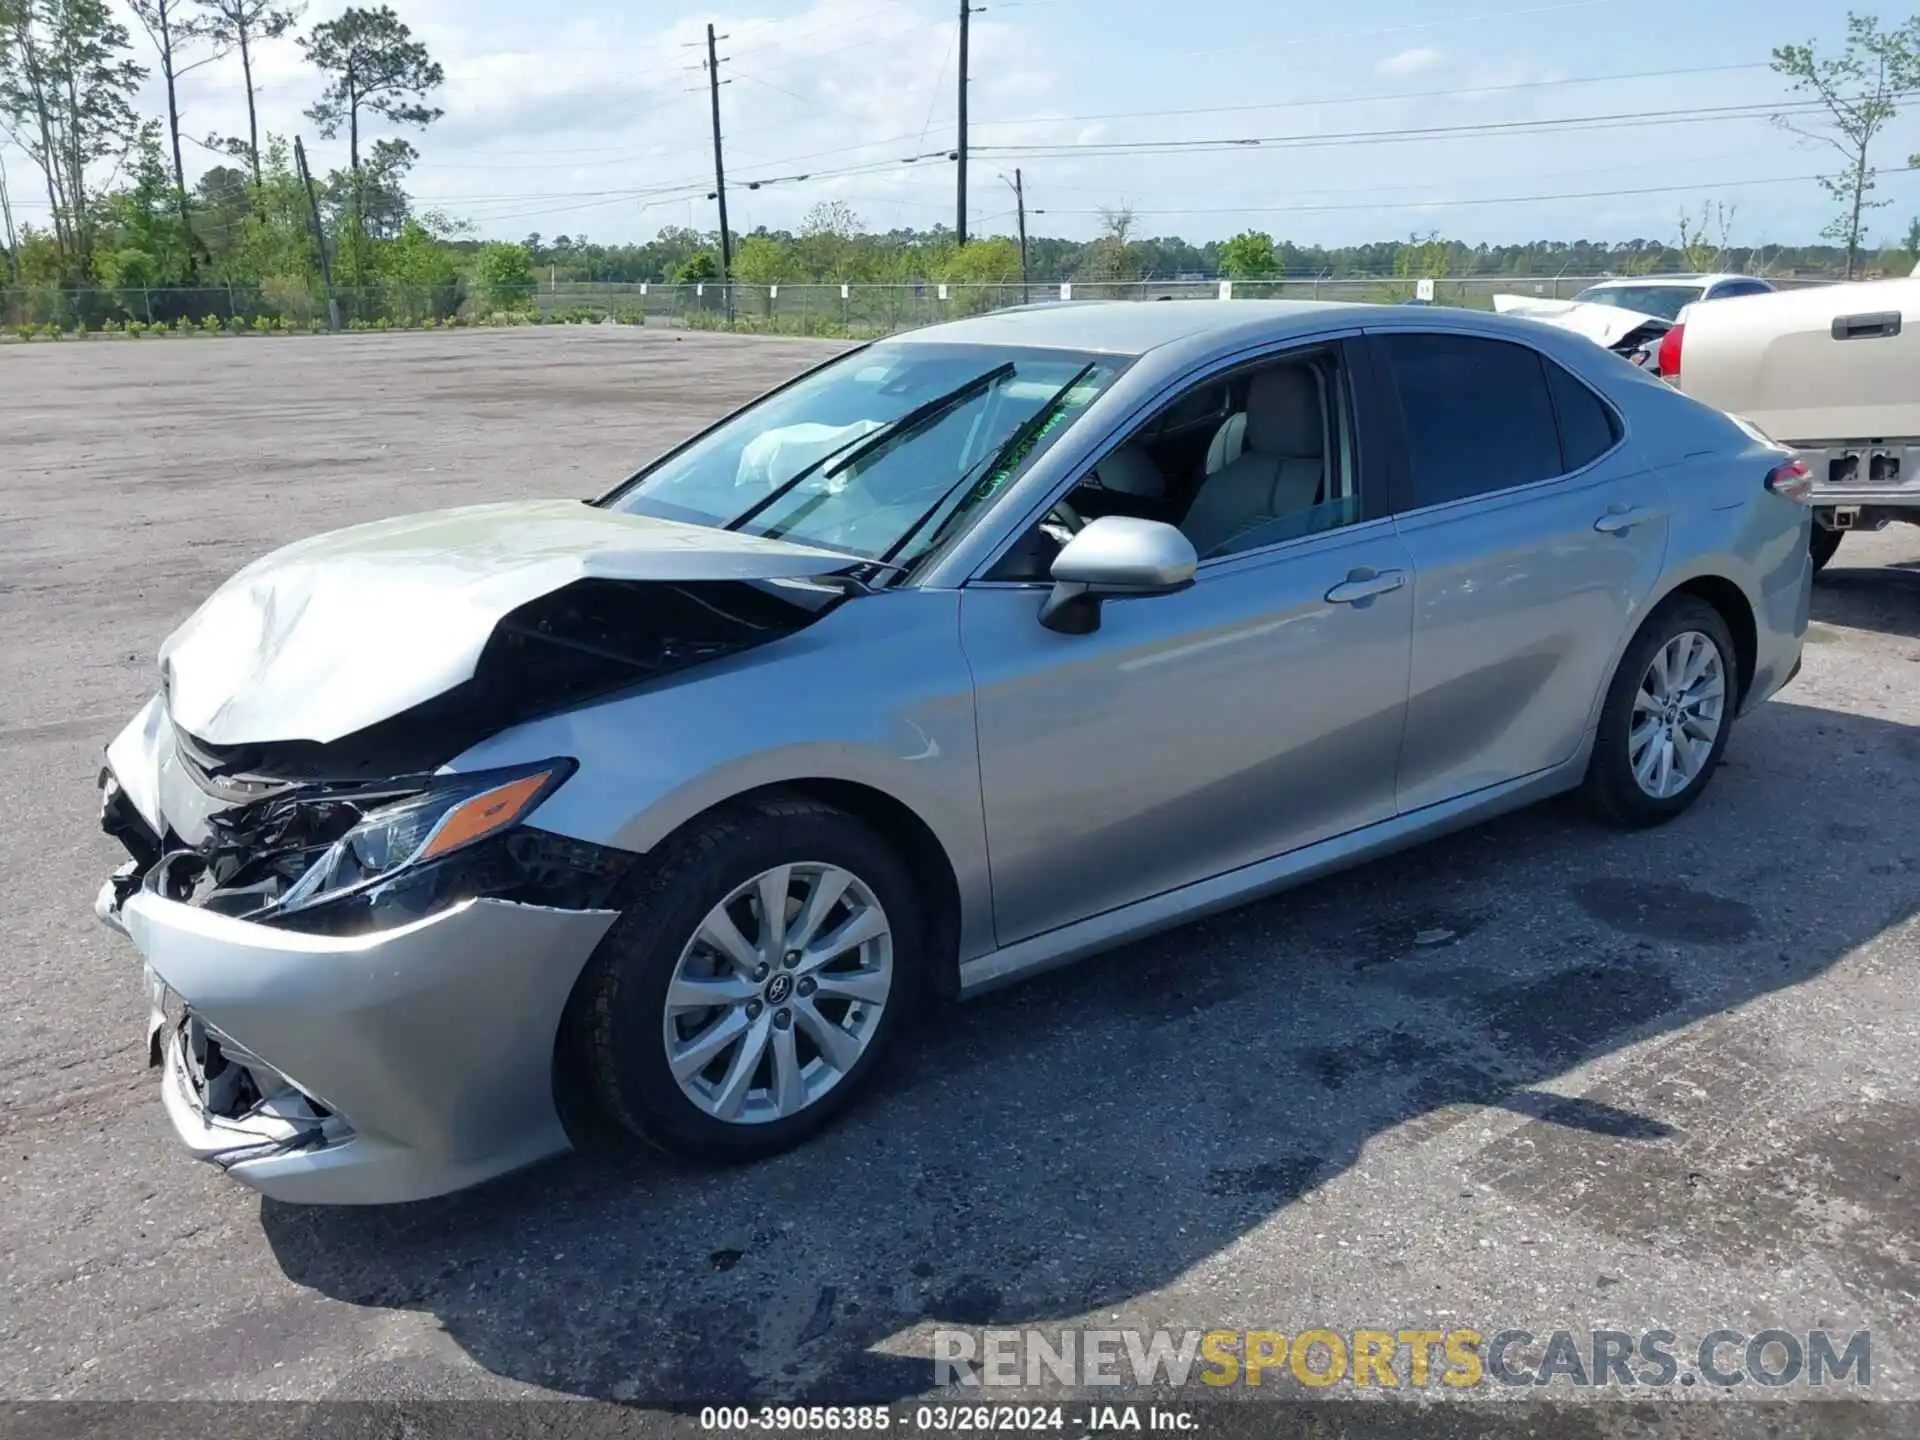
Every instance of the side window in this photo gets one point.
(1587, 427)
(1289, 470)
(1477, 412)
(1731, 288)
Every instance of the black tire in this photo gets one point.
(613, 1062)
(1823, 544)
(1610, 790)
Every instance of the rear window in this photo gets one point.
(1478, 415)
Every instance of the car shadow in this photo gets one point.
(1065, 1147)
(1881, 598)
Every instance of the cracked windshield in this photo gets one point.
(879, 454)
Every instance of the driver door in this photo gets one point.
(1256, 712)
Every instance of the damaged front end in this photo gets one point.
(357, 955)
(367, 830)
(1630, 334)
(345, 859)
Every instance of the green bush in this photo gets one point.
(503, 276)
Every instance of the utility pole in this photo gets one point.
(720, 179)
(960, 202)
(319, 236)
(1020, 206)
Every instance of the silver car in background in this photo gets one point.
(460, 838)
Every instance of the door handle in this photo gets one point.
(1364, 584)
(1618, 522)
(1866, 327)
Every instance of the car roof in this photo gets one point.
(1127, 327)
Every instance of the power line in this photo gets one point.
(1381, 96)
(1623, 120)
(1479, 200)
(668, 192)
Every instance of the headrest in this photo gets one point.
(1283, 412)
(1131, 471)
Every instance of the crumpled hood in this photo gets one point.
(1602, 324)
(332, 634)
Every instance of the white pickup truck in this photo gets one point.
(1832, 373)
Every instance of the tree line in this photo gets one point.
(256, 229)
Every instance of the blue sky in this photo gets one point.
(584, 118)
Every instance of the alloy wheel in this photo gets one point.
(778, 993)
(1677, 714)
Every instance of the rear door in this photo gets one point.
(1535, 535)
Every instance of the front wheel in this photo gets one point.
(750, 993)
(1667, 715)
(1823, 545)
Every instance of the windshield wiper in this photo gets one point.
(861, 446)
(1023, 433)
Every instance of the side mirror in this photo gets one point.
(1116, 557)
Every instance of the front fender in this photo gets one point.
(877, 693)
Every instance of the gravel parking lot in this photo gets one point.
(1542, 1075)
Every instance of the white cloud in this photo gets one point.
(1413, 62)
(592, 117)
(560, 127)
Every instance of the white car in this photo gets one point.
(1629, 316)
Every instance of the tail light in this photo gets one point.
(1792, 481)
(1669, 357)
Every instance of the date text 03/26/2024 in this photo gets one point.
(938, 1419)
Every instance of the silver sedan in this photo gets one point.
(459, 839)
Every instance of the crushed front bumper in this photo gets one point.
(379, 1068)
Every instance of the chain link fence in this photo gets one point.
(852, 309)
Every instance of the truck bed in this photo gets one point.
(1831, 366)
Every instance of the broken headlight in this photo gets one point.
(424, 830)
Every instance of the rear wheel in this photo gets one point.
(750, 993)
(1667, 715)
(1824, 543)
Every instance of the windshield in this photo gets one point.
(867, 455)
(1664, 301)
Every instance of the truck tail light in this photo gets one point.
(1792, 481)
(1669, 356)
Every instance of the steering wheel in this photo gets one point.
(1063, 517)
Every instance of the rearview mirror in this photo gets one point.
(1113, 558)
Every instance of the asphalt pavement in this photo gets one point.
(1540, 1075)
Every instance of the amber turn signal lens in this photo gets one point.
(485, 813)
